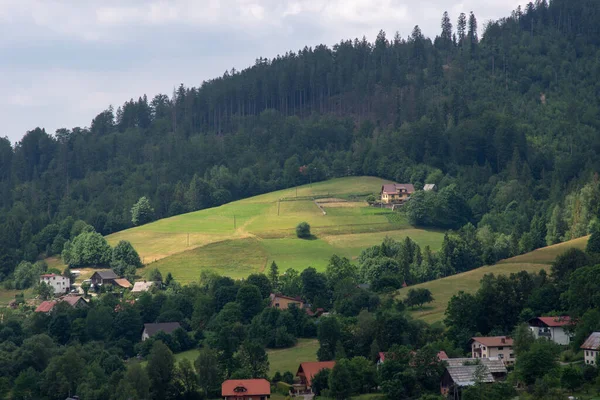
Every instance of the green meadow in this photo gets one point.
(245, 236)
(443, 289)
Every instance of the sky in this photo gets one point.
(62, 62)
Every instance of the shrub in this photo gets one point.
(303, 230)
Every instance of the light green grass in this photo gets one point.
(245, 236)
(443, 289)
(283, 360)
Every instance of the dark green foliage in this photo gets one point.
(537, 361)
(320, 381)
(161, 366)
(262, 282)
(250, 300)
(418, 297)
(124, 253)
(142, 212)
(340, 380)
(303, 230)
(593, 244)
(87, 249)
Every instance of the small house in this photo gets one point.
(396, 192)
(152, 329)
(46, 306)
(103, 277)
(283, 302)
(493, 347)
(429, 187)
(122, 283)
(552, 328)
(142, 286)
(306, 372)
(60, 284)
(246, 389)
(591, 348)
(74, 301)
(463, 372)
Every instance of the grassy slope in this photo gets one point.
(444, 289)
(261, 236)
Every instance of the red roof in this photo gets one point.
(381, 356)
(555, 321)
(46, 306)
(494, 341)
(72, 300)
(442, 355)
(245, 387)
(310, 369)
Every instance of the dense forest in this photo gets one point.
(509, 120)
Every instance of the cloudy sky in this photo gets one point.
(64, 61)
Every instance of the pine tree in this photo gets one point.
(593, 244)
(446, 28)
(473, 37)
(461, 27)
(274, 276)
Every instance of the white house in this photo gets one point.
(552, 328)
(591, 348)
(60, 284)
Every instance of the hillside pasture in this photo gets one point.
(245, 236)
(443, 289)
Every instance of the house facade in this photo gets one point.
(306, 372)
(283, 302)
(246, 389)
(60, 284)
(500, 347)
(552, 328)
(396, 192)
(591, 348)
(103, 277)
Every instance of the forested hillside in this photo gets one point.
(511, 119)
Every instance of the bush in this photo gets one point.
(303, 230)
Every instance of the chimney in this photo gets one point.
(503, 340)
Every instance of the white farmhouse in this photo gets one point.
(60, 284)
(552, 328)
(591, 348)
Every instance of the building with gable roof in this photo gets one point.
(60, 284)
(306, 372)
(493, 347)
(555, 329)
(246, 389)
(396, 192)
(463, 372)
(152, 329)
(591, 348)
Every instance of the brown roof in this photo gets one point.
(554, 321)
(494, 341)
(592, 342)
(166, 327)
(395, 187)
(124, 283)
(245, 387)
(46, 306)
(310, 369)
(72, 300)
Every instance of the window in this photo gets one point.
(500, 348)
(501, 356)
(586, 353)
(484, 347)
(511, 355)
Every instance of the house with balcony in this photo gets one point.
(396, 192)
(500, 347)
(555, 329)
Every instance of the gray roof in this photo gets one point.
(106, 274)
(429, 186)
(464, 371)
(592, 342)
(166, 327)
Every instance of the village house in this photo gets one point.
(60, 284)
(142, 286)
(493, 347)
(463, 372)
(306, 372)
(591, 348)
(152, 329)
(283, 302)
(246, 389)
(429, 187)
(74, 301)
(396, 192)
(108, 277)
(552, 328)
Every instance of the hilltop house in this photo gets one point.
(142, 286)
(462, 372)
(591, 348)
(552, 328)
(306, 372)
(246, 389)
(493, 347)
(396, 192)
(60, 284)
(108, 277)
(283, 302)
(152, 329)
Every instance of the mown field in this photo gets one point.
(443, 289)
(245, 236)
